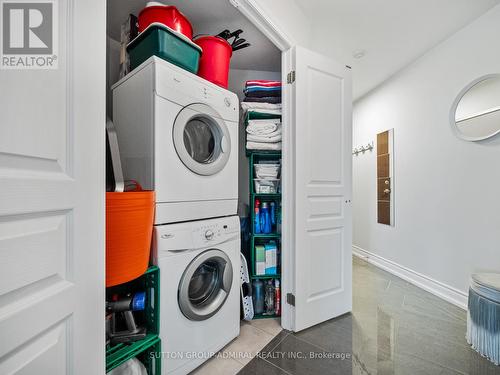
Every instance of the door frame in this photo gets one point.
(255, 14)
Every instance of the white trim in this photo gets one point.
(255, 14)
(439, 289)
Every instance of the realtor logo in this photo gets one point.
(29, 34)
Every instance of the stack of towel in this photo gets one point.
(264, 134)
(264, 97)
(262, 91)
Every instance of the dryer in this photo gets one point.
(178, 135)
(199, 290)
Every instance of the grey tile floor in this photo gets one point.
(395, 328)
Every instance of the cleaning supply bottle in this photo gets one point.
(257, 217)
(269, 298)
(278, 220)
(265, 219)
(258, 296)
(277, 297)
(273, 216)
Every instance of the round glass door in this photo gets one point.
(201, 139)
(205, 285)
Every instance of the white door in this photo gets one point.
(323, 229)
(52, 124)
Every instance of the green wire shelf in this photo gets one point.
(150, 318)
(120, 353)
(266, 276)
(265, 316)
(270, 236)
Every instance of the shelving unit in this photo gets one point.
(147, 348)
(258, 238)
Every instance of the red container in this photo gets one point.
(215, 58)
(167, 15)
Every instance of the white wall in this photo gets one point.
(447, 191)
(287, 16)
(237, 79)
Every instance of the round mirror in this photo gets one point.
(476, 113)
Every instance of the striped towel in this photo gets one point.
(262, 82)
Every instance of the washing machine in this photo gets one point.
(178, 135)
(199, 290)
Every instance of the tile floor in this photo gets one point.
(254, 336)
(395, 328)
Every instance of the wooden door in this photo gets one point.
(323, 172)
(52, 196)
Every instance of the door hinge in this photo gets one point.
(290, 78)
(290, 299)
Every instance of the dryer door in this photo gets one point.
(201, 139)
(205, 285)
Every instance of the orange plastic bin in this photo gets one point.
(129, 227)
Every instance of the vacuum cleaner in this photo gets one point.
(123, 328)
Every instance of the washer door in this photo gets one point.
(201, 139)
(205, 285)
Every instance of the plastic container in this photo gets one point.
(265, 219)
(258, 296)
(266, 186)
(167, 15)
(129, 227)
(267, 171)
(161, 41)
(214, 63)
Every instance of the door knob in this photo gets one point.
(387, 191)
(386, 182)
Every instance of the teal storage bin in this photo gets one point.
(159, 40)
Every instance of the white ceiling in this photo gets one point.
(392, 32)
(209, 17)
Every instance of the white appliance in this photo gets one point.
(200, 289)
(178, 135)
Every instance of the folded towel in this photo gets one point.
(262, 127)
(263, 146)
(264, 138)
(260, 88)
(262, 93)
(262, 82)
(264, 99)
(258, 106)
(276, 112)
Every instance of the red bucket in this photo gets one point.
(214, 62)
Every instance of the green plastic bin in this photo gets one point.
(159, 40)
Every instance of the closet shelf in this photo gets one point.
(277, 276)
(120, 353)
(266, 195)
(265, 316)
(255, 115)
(270, 235)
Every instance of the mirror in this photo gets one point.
(385, 177)
(476, 113)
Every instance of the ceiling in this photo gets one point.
(393, 33)
(208, 17)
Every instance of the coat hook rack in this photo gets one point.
(363, 148)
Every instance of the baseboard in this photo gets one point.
(446, 292)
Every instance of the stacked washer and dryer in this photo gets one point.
(178, 135)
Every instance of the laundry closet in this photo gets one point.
(230, 240)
